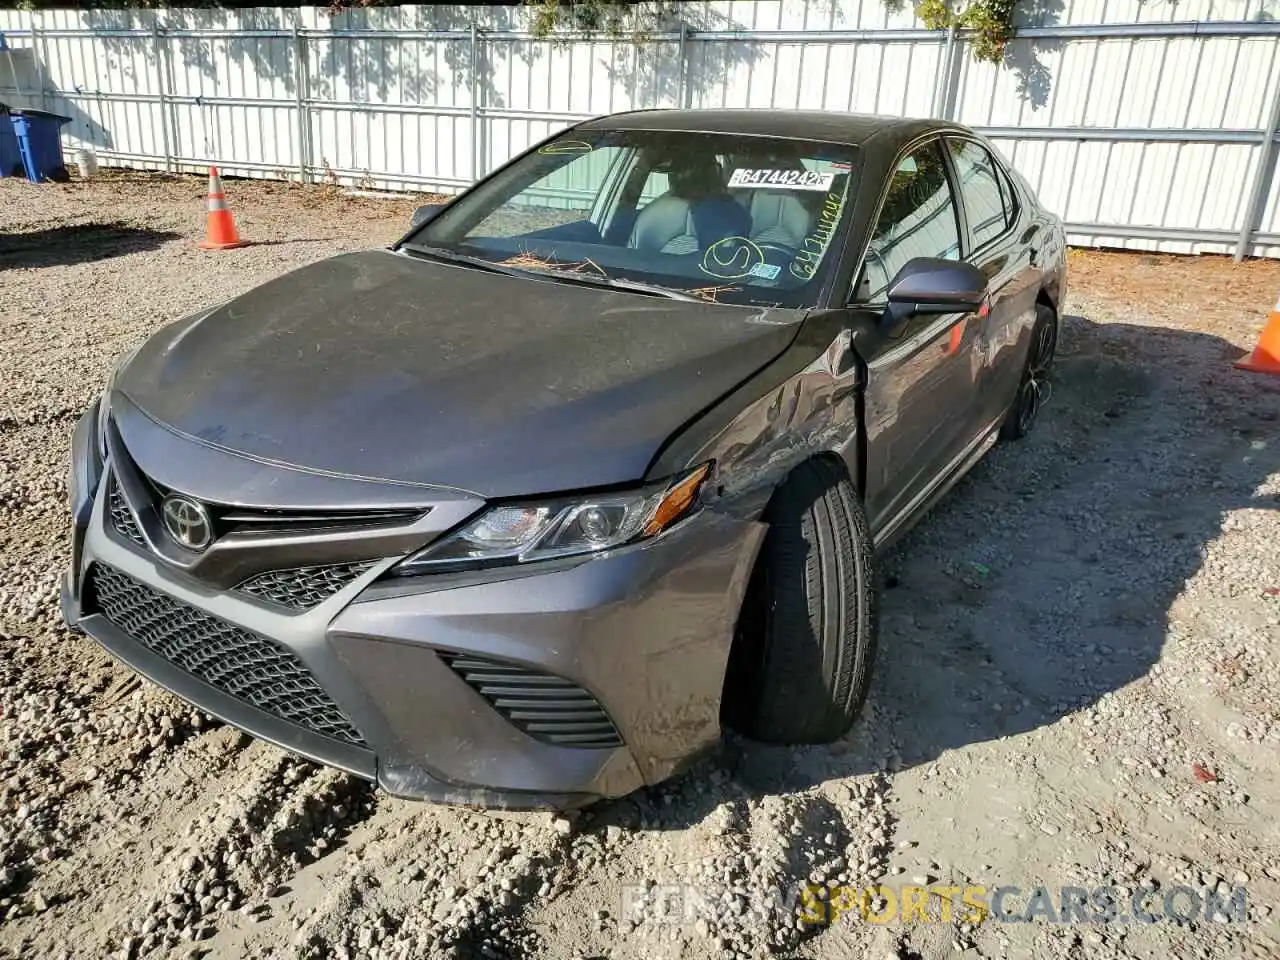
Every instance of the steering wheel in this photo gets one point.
(781, 250)
(735, 258)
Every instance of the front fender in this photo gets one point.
(805, 403)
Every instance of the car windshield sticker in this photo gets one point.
(731, 259)
(766, 271)
(780, 179)
(562, 147)
(806, 262)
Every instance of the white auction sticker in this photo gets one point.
(784, 179)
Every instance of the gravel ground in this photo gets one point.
(1077, 683)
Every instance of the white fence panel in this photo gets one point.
(1144, 125)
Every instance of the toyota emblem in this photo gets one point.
(187, 522)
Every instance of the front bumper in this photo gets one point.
(645, 631)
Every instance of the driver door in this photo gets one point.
(921, 382)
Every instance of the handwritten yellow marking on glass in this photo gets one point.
(806, 262)
(565, 147)
(731, 258)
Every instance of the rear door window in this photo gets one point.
(984, 190)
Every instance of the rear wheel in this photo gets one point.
(801, 662)
(1035, 388)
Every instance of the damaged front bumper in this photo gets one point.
(452, 689)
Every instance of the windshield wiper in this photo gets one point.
(635, 286)
(448, 256)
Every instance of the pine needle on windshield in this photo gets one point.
(582, 265)
(712, 294)
(537, 261)
(531, 260)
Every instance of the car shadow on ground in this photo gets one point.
(1044, 580)
(290, 242)
(77, 243)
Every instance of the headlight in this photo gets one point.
(525, 532)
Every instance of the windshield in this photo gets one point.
(726, 219)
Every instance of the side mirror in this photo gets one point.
(933, 285)
(426, 213)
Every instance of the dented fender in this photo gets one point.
(804, 404)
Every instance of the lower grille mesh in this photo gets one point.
(303, 587)
(546, 707)
(235, 661)
(122, 519)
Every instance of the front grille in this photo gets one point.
(270, 520)
(303, 587)
(122, 519)
(262, 521)
(245, 665)
(546, 707)
(256, 520)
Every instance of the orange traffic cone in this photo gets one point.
(1266, 356)
(221, 233)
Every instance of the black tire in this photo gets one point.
(801, 661)
(1035, 386)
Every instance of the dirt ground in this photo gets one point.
(1077, 683)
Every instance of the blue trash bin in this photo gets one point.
(40, 143)
(10, 156)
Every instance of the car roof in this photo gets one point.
(854, 129)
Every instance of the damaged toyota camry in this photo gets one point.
(592, 463)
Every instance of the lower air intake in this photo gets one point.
(245, 665)
(546, 707)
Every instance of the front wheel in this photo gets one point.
(801, 661)
(1034, 389)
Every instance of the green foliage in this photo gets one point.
(990, 20)
(612, 18)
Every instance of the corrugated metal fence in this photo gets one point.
(1141, 129)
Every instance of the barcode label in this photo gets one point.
(781, 179)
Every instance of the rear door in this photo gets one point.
(920, 383)
(1003, 243)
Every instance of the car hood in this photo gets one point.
(382, 366)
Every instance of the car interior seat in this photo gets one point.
(777, 217)
(693, 214)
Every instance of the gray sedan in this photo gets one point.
(596, 460)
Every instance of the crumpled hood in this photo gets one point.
(383, 366)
